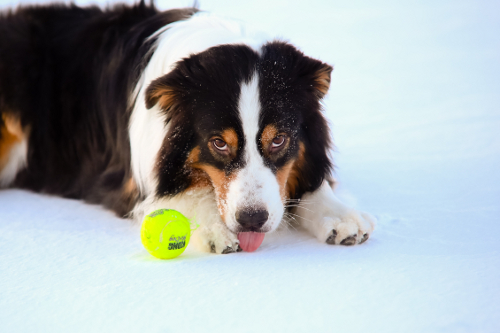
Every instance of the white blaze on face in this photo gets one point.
(255, 187)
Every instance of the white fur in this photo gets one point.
(200, 207)
(321, 212)
(255, 186)
(176, 41)
(147, 128)
(16, 161)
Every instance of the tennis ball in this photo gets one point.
(165, 233)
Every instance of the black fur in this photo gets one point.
(290, 100)
(68, 72)
(205, 89)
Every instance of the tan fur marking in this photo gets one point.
(220, 182)
(194, 156)
(125, 202)
(296, 172)
(282, 176)
(268, 134)
(199, 178)
(322, 79)
(207, 175)
(11, 133)
(230, 137)
(165, 96)
(130, 187)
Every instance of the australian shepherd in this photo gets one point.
(138, 109)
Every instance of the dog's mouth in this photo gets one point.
(250, 240)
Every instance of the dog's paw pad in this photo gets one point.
(351, 240)
(331, 239)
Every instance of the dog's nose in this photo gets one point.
(252, 219)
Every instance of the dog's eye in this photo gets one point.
(219, 144)
(278, 141)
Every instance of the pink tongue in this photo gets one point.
(250, 241)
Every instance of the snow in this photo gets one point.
(415, 112)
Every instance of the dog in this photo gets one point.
(137, 109)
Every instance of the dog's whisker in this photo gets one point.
(288, 223)
(291, 217)
(301, 217)
(300, 200)
(292, 206)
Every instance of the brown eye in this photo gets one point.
(219, 144)
(278, 141)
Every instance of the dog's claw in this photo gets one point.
(364, 239)
(227, 250)
(351, 240)
(331, 239)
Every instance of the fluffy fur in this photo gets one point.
(138, 109)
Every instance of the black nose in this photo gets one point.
(252, 219)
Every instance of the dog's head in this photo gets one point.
(247, 123)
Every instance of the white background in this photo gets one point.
(415, 113)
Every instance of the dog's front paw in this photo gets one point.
(349, 229)
(217, 238)
(331, 221)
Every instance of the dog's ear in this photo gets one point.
(161, 91)
(166, 92)
(322, 77)
(315, 72)
(283, 64)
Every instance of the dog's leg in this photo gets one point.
(213, 234)
(200, 207)
(322, 213)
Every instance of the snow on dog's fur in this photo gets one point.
(138, 109)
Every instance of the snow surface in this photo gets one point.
(415, 108)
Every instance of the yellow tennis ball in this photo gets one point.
(165, 233)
